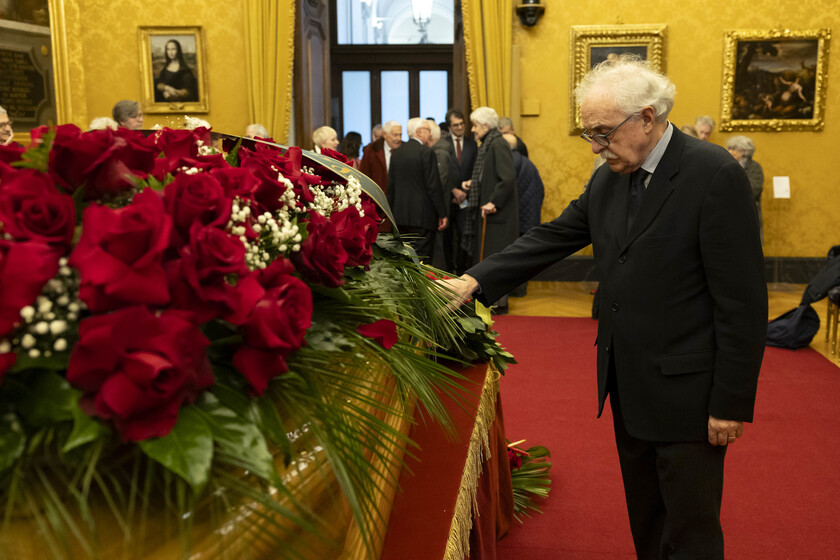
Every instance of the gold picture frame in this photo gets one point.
(774, 80)
(172, 70)
(591, 44)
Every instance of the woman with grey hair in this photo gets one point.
(128, 114)
(742, 149)
(325, 137)
(493, 220)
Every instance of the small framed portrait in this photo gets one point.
(172, 70)
(774, 80)
(593, 44)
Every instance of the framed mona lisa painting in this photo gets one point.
(172, 69)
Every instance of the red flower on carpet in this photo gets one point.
(322, 257)
(31, 209)
(276, 326)
(138, 369)
(197, 198)
(24, 269)
(383, 331)
(120, 254)
(211, 278)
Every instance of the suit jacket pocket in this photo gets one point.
(687, 362)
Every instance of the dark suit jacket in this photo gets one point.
(683, 314)
(373, 163)
(497, 184)
(414, 190)
(463, 171)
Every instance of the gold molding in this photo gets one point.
(730, 57)
(147, 78)
(585, 37)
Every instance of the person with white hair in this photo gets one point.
(256, 130)
(704, 125)
(325, 137)
(742, 149)
(683, 302)
(7, 134)
(414, 191)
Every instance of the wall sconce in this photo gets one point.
(530, 11)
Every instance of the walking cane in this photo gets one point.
(483, 231)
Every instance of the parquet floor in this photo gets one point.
(574, 299)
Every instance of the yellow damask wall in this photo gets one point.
(103, 56)
(805, 225)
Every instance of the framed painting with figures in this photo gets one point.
(172, 67)
(774, 80)
(593, 44)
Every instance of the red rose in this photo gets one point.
(11, 153)
(335, 155)
(137, 369)
(383, 331)
(211, 278)
(104, 161)
(24, 269)
(32, 209)
(270, 189)
(237, 182)
(276, 326)
(357, 235)
(120, 254)
(170, 165)
(321, 258)
(515, 459)
(181, 143)
(195, 198)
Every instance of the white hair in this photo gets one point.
(743, 144)
(486, 116)
(435, 129)
(389, 125)
(705, 120)
(3, 111)
(102, 123)
(322, 134)
(256, 130)
(632, 85)
(414, 124)
(505, 121)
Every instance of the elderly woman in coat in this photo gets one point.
(742, 149)
(493, 223)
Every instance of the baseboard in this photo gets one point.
(788, 270)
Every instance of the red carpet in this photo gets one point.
(782, 484)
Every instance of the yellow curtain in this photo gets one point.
(270, 28)
(487, 37)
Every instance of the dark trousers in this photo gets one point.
(422, 239)
(457, 260)
(673, 492)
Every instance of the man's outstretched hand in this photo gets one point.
(459, 290)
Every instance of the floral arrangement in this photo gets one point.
(529, 471)
(174, 318)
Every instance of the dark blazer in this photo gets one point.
(463, 171)
(497, 185)
(373, 163)
(414, 190)
(683, 313)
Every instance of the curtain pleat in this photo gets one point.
(270, 26)
(487, 37)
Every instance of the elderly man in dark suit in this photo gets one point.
(465, 149)
(414, 190)
(377, 155)
(683, 312)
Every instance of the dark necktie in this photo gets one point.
(637, 190)
(458, 148)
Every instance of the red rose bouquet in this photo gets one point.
(170, 315)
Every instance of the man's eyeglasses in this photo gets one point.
(6, 124)
(602, 138)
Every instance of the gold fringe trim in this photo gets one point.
(458, 544)
(472, 71)
(290, 56)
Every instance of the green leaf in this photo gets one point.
(187, 450)
(233, 157)
(56, 362)
(85, 430)
(44, 397)
(266, 415)
(237, 437)
(38, 157)
(12, 441)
